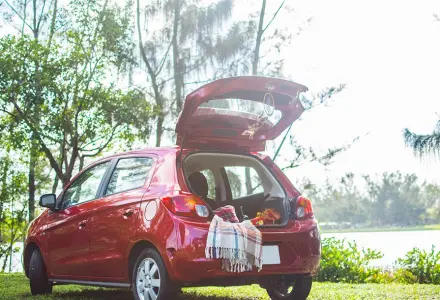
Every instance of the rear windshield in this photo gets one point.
(242, 108)
(228, 171)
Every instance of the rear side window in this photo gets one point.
(130, 173)
(242, 185)
(211, 182)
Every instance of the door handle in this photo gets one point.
(128, 213)
(82, 224)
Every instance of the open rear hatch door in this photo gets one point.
(238, 113)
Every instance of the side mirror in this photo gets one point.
(49, 201)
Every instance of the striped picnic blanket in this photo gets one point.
(238, 245)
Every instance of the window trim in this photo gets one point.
(112, 167)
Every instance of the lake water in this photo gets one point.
(393, 245)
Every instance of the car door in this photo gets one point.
(68, 229)
(114, 220)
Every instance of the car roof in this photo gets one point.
(159, 151)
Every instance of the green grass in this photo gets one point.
(382, 229)
(16, 287)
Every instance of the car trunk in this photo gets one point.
(229, 119)
(240, 180)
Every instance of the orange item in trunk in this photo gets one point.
(268, 216)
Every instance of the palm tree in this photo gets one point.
(423, 144)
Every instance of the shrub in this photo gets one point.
(420, 266)
(344, 262)
(404, 276)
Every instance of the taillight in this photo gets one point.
(303, 208)
(187, 205)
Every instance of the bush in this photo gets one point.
(345, 262)
(341, 263)
(420, 266)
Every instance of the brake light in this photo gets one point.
(304, 209)
(187, 205)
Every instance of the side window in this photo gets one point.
(130, 173)
(85, 187)
(211, 182)
(242, 185)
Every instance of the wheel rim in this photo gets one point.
(284, 293)
(283, 289)
(148, 280)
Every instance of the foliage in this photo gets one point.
(13, 186)
(344, 262)
(421, 266)
(389, 200)
(423, 145)
(79, 116)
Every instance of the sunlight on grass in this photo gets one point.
(16, 287)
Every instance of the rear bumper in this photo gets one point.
(299, 244)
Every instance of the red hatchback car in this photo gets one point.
(140, 219)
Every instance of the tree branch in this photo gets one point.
(324, 159)
(102, 147)
(162, 63)
(41, 15)
(16, 12)
(46, 150)
(52, 25)
(274, 16)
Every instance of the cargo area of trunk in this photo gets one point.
(242, 181)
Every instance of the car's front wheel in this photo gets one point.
(150, 279)
(38, 280)
(299, 289)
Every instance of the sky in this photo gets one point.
(387, 52)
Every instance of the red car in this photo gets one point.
(140, 219)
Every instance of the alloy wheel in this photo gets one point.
(148, 280)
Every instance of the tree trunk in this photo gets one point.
(31, 177)
(3, 195)
(153, 77)
(256, 58)
(81, 163)
(247, 172)
(5, 261)
(34, 145)
(159, 129)
(178, 82)
(55, 184)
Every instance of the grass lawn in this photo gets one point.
(16, 287)
(381, 229)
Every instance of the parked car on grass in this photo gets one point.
(140, 219)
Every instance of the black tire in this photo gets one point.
(301, 290)
(167, 290)
(38, 280)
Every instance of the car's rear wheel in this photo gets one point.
(299, 289)
(150, 279)
(38, 280)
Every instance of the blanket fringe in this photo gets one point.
(233, 260)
